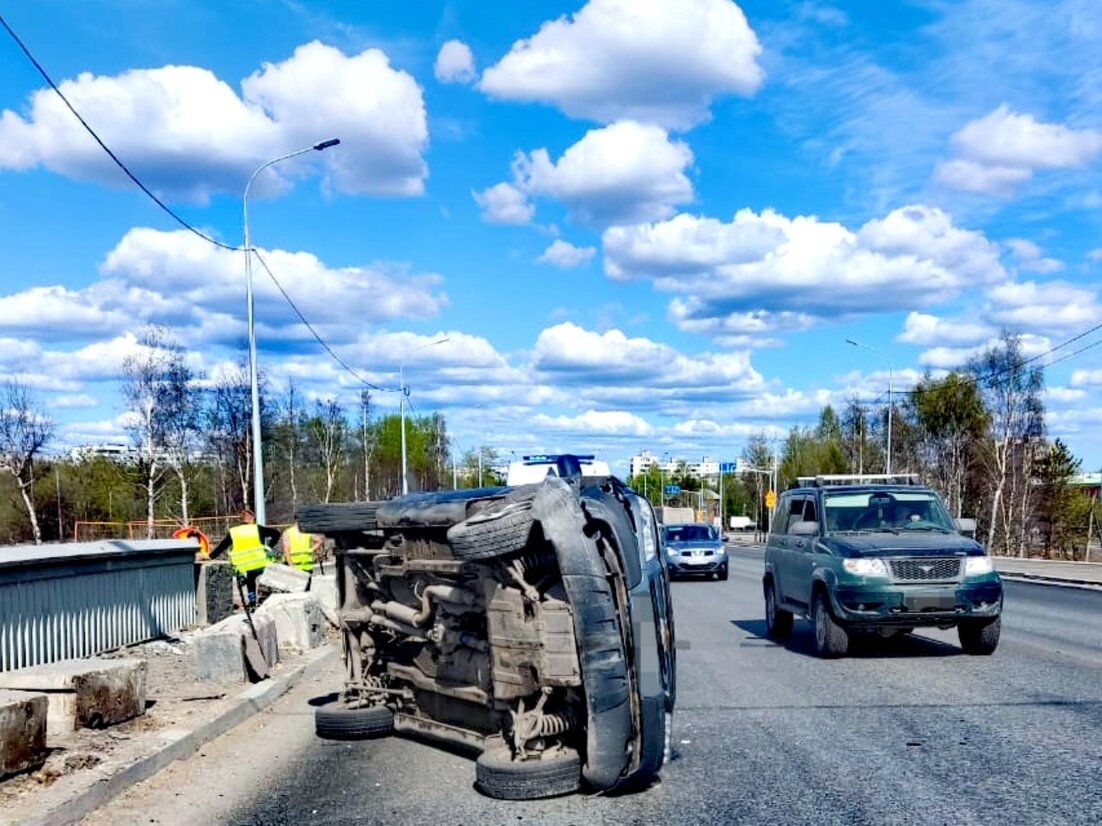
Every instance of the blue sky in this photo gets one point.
(640, 224)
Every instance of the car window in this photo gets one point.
(809, 510)
(795, 512)
(689, 533)
(885, 510)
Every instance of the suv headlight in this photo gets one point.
(978, 565)
(720, 550)
(865, 567)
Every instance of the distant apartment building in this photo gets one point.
(706, 467)
(107, 450)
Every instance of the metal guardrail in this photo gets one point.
(58, 602)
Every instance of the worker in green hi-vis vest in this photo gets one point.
(300, 549)
(246, 546)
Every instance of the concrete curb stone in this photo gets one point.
(172, 745)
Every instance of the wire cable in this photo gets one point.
(118, 162)
(325, 346)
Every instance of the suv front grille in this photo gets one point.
(925, 569)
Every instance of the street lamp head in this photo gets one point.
(326, 144)
(854, 343)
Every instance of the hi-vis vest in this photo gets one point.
(298, 544)
(247, 552)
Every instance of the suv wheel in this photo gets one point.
(831, 639)
(506, 779)
(722, 575)
(979, 636)
(335, 721)
(778, 622)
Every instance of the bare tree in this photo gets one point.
(228, 427)
(328, 431)
(24, 431)
(157, 390)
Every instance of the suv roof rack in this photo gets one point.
(835, 479)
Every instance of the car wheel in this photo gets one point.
(491, 534)
(831, 639)
(722, 575)
(778, 622)
(337, 517)
(979, 636)
(499, 775)
(336, 722)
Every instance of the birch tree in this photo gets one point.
(24, 431)
(328, 431)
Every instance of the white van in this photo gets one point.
(532, 470)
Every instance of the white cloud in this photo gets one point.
(189, 134)
(1086, 378)
(1003, 148)
(924, 329)
(1030, 257)
(504, 204)
(600, 422)
(1063, 395)
(1055, 307)
(624, 172)
(454, 63)
(565, 255)
(766, 272)
(661, 61)
(951, 358)
(576, 355)
(74, 400)
(1095, 254)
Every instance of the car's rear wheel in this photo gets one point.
(979, 636)
(831, 639)
(778, 622)
(334, 721)
(492, 534)
(499, 775)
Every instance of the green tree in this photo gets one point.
(1062, 511)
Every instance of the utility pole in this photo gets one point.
(365, 404)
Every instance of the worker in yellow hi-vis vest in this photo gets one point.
(300, 549)
(246, 546)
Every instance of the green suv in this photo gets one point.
(877, 554)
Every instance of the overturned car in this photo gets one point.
(529, 624)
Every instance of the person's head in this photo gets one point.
(247, 516)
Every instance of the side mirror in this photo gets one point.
(804, 529)
(965, 526)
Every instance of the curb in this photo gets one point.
(1041, 579)
(176, 744)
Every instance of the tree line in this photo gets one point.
(977, 435)
(191, 451)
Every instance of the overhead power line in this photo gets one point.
(118, 162)
(325, 346)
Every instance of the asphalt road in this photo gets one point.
(909, 731)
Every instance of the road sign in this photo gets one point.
(728, 467)
(770, 499)
(673, 490)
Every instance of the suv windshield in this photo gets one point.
(882, 510)
(689, 533)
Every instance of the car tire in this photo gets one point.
(498, 775)
(492, 534)
(339, 517)
(979, 637)
(334, 721)
(722, 575)
(778, 622)
(831, 639)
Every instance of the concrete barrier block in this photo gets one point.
(213, 592)
(324, 587)
(88, 693)
(299, 620)
(283, 579)
(22, 731)
(220, 649)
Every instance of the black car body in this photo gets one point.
(876, 557)
(531, 624)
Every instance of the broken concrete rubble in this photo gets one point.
(219, 651)
(299, 620)
(89, 693)
(283, 579)
(22, 731)
(213, 592)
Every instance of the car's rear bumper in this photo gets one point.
(912, 606)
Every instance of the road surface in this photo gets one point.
(909, 732)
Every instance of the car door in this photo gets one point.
(790, 548)
(805, 554)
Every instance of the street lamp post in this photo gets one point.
(886, 359)
(402, 404)
(258, 460)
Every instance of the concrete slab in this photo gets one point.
(87, 693)
(213, 592)
(300, 621)
(324, 587)
(22, 731)
(283, 579)
(220, 650)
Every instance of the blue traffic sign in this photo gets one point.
(673, 490)
(728, 467)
